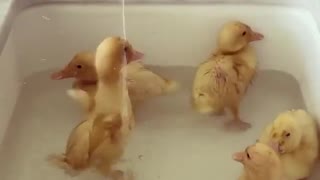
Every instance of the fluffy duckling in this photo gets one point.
(142, 82)
(82, 142)
(100, 140)
(260, 162)
(222, 80)
(112, 87)
(295, 135)
(81, 67)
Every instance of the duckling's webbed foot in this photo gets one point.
(117, 175)
(219, 112)
(237, 123)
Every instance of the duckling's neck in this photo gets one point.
(268, 173)
(231, 52)
(110, 76)
(87, 82)
(264, 175)
(110, 95)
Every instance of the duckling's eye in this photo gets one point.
(244, 33)
(288, 134)
(79, 66)
(248, 156)
(126, 49)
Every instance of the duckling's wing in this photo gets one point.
(105, 127)
(79, 132)
(77, 152)
(145, 83)
(216, 76)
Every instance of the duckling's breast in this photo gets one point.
(248, 55)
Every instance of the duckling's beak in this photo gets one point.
(61, 75)
(131, 53)
(255, 36)
(134, 55)
(238, 156)
(275, 146)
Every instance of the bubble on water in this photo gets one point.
(24, 83)
(140, 156)
(46, 18)
(43, 60)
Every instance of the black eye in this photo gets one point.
(288, 134)
(126, 48)
(244, 33)
(248, 155)
(79, 66)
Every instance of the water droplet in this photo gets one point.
(46, 18)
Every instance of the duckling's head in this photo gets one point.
(286, 133)
(80, 67)
(111, 54)
(236, 35)
(257, 157)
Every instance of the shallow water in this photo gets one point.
(170, 142)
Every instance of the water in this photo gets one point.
(170, 142)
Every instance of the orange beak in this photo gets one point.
(274, 146)
(239, 156)
(134, 55)
(255, 36)
(63, 74)
(131, 53)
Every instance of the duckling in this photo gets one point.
(112, 87)
(222, 80)
(100, 140)
(142, 82)
(294, 132)
(82, 142)
(260, 162)
(81, 67)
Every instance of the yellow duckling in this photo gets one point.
(222, 80)
(260, 162)
(142, 82)
(83, 140)
(81, 67)
(295, 134)
(109, 60)
(100, 140)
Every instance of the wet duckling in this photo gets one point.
(222, 80)
(100, 140)
(294, 133)
(260, 162)
(142, 82)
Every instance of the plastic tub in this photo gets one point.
(171, 141)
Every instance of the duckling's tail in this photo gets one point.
(60, 161)
(171, 86)
(81, 97)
